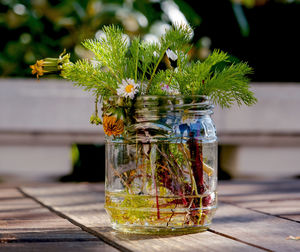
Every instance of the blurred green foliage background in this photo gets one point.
(39, 28)
(262, 32)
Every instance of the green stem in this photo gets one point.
(171, 77)
(194, 187)
(110, 88)
(155, 68)
(112, 71)
(96, 104)
(153, 167)
(178, 63)
(136, 66)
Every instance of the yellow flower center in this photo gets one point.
(129, 88)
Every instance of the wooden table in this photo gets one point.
(252, 216)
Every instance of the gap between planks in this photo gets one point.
(115, 244)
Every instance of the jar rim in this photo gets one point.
(198, 99)
(193, 102)
(140, 97)
(204, 96)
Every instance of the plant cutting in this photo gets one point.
(161, 143)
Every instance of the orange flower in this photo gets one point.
(37, 68)
(112, 125)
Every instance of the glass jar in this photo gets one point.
(161, 174)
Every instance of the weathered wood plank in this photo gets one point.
(84, 204)
(260, 196)
(280, 207)
(7, 193)
(262, 229)
(56, 247)
(280, 198)
(243, 188)
(24, 214)
(27, 226)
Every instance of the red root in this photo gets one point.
(197, 162)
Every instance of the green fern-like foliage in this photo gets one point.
(150, 66)
(225, 85)
(110, 50)
(91, 78)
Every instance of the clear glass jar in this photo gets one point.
(161, 174)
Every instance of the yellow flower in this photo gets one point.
(50, 65)
(112, 125)
(37, 68)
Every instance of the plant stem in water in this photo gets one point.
(197, 162)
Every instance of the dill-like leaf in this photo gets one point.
(91, 78)
(110, 50)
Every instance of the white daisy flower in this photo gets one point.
(128, 88)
